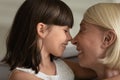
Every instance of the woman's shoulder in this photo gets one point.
(21, 75)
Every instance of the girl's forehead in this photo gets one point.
(59, 26)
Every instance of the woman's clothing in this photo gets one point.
(63, 72)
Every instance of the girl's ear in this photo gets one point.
(41, 28)
(109, 38)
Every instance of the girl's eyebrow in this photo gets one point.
(67, 27)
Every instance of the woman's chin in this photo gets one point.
(84, 65)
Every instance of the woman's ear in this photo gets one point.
(41, 28)
(109, 38)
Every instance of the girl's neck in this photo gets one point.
(45, 59)
(47, 66)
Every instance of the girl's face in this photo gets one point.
(89, 41)
(56, 40)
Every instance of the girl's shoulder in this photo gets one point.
(21, 75)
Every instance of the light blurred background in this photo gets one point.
(8, 10)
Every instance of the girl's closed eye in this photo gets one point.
(66, 30)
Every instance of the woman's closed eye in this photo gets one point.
(82, 30)
(82, 27)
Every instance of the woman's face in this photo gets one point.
(89, 41)
(56, 40)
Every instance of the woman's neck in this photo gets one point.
(100, 71)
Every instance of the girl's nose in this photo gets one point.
(69, 37)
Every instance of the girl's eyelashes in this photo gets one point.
(66, 30)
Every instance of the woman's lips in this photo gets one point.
(79, 53)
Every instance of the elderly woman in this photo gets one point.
(98, 40)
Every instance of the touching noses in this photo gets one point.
(69, 38)
(74, 41)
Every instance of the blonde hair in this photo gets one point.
(107, 15)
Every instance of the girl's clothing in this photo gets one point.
(63, 72)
